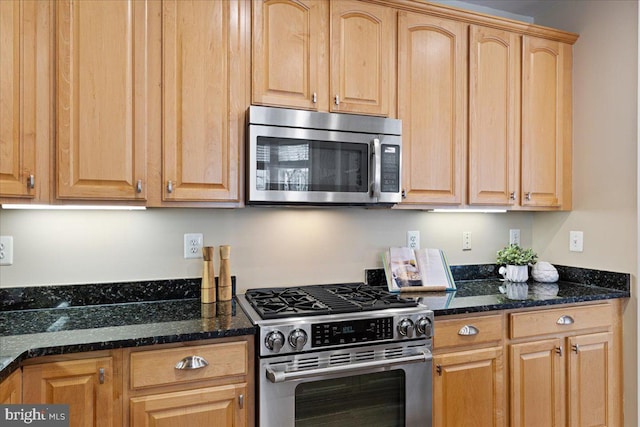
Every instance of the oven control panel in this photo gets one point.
(351, 332)
(314, 335)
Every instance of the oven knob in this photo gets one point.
(405, 327)
(423, 326)
(297, 339)
(274, 341)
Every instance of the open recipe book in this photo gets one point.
(415, 270)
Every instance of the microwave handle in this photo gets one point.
(376, 168)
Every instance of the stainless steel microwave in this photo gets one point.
(304, 157)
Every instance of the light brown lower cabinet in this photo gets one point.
(11, 389)
(144, 386)
(218, 393)
(565, 367)
(468, 377)
(529, 368)
(90, 386)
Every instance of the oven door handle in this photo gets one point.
(281, 376)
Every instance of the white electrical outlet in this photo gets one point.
(466, 240)
(6, 250)
(514, 236)
(413, 239)
(576, 241)
(193, 243)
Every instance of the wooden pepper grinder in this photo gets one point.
(224, 283)
(208, 286)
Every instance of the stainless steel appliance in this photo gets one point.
(340, 355)
(306, 157)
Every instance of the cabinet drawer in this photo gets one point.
(467, 331)
(559, 320)
(158, 367)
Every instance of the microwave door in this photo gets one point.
(288, 165)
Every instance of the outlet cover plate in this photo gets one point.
(193, 243)
(6, 250)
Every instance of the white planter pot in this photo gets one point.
(515, 273)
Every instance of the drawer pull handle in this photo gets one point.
(241, 401)
(101, 375)
(559, 350)
(565, 320)
(576, 348)
(192, 362)
(468, 330)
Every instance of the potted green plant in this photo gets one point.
(515, 261)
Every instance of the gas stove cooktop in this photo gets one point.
(314, 300)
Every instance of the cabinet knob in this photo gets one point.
(139, 186)
(468, 330)
(192, 362)
(565, 320)
(170, 186)
(337, 99)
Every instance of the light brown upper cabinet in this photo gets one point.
(494, 116)
(328, 56)
(203, 100)
(546, 123)
(25, 96)
(432, 84)
(363, 58)
(290, 49)
(101, 109)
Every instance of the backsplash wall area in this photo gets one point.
(269, 246)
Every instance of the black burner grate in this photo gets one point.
(271, 303)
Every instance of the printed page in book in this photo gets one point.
(419, 270)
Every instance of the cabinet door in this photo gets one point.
(101, 99)
(362, 58)
(432, 105)
(469, 385)
(591, 381)
(214, 406)
(537, 383)
(201, 107)
(87, 386)
(546, 123)
(290, 53)
(11, 389)
(24, 99)
(494, 119)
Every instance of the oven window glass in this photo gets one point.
(284, 164)
(371, 400)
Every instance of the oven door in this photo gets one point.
(311, 166)
(377, 386)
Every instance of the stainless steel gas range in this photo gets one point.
(340, 355)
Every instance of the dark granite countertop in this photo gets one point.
(38, 332)
(480, 289)
(50, 320)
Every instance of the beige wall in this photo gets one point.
(270, 246)
(605, 140)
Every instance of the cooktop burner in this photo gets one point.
(272, 303)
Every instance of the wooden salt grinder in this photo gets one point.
(224, 283)
(208, 286)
